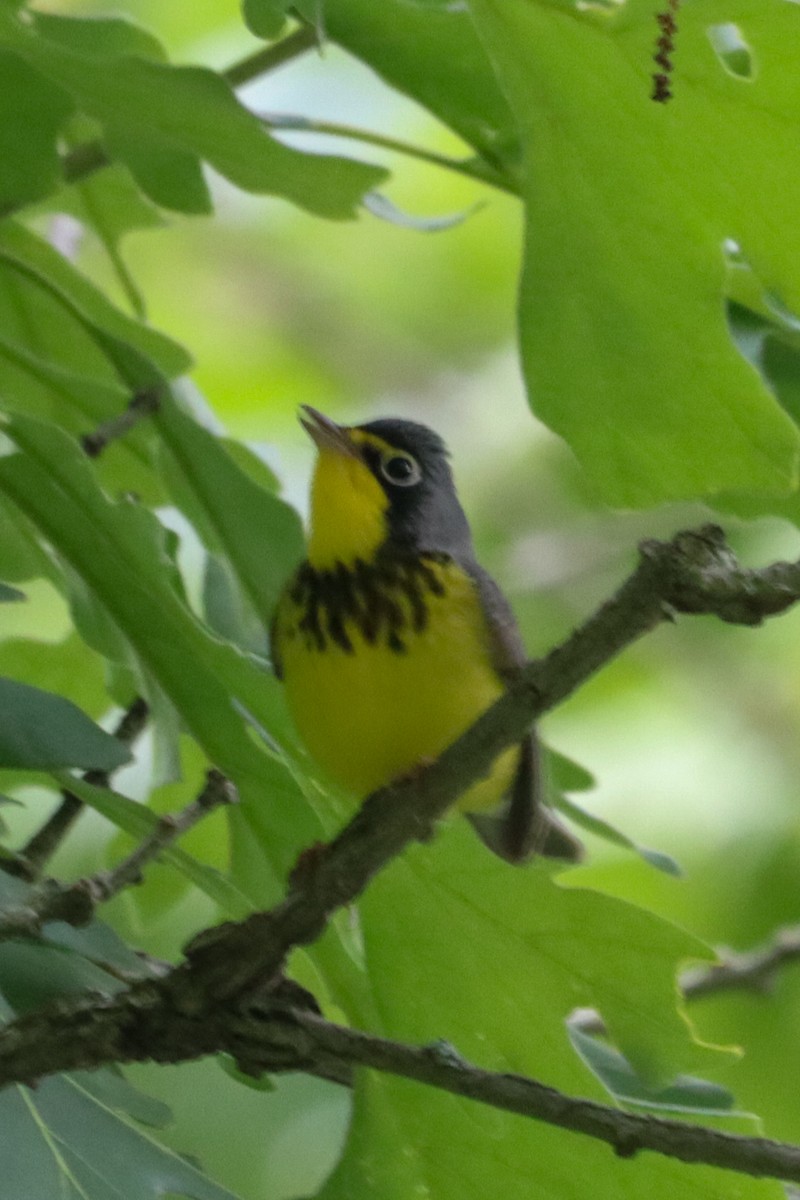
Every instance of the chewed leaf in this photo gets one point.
(629, 204)
(164, 121)
(686, 1094)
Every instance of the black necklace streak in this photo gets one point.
(368, 596)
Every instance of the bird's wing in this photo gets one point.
(526, 824)
(277, 665)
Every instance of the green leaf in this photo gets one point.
(568, 775)
(628, 204)
(40, 730)
(99, 37)
(68, 668)
(63, 958)
(9, 594)
(265, 18)
(71, 1134)
(31, 166)
(54, 303)
(164, 121)
(111, 1089)
(435, 57)
(493, 959)
(21, 556)
(260, 536)
(686, 1094)
(70, 1145)
(78, 404)
(117, 550)
(139, 821)
(109, 203)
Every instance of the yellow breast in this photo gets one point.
(384, 670)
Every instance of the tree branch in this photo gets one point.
(75, 903)
(695, 573)
(267, 1036)
(753, 971)
(142, 404)
(269, 58)
(106, 884)
(228, 993)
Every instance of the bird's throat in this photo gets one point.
(348, 512)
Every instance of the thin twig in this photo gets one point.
(107, 884)
(269, 58)
(143, 404)
(440, 1066)
(84, 1033)
(75, 903)
(753, 971)
(473, 168)
(36, 853)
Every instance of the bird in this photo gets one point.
(390, 639)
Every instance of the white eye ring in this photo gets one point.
(400, 469)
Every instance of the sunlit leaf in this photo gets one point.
(164, 121)
(45, 298)
(505, 955)
(628, 205)
(432, 55)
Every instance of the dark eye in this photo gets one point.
(400, 469)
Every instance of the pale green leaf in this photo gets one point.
(628, 205)
(493, 959)
(164, 121)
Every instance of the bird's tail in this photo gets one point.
(526, 825)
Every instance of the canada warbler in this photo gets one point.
(391, 639)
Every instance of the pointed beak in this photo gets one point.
(325, 433)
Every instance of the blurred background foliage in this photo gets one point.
(691, 736)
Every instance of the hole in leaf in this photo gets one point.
(732, 50)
